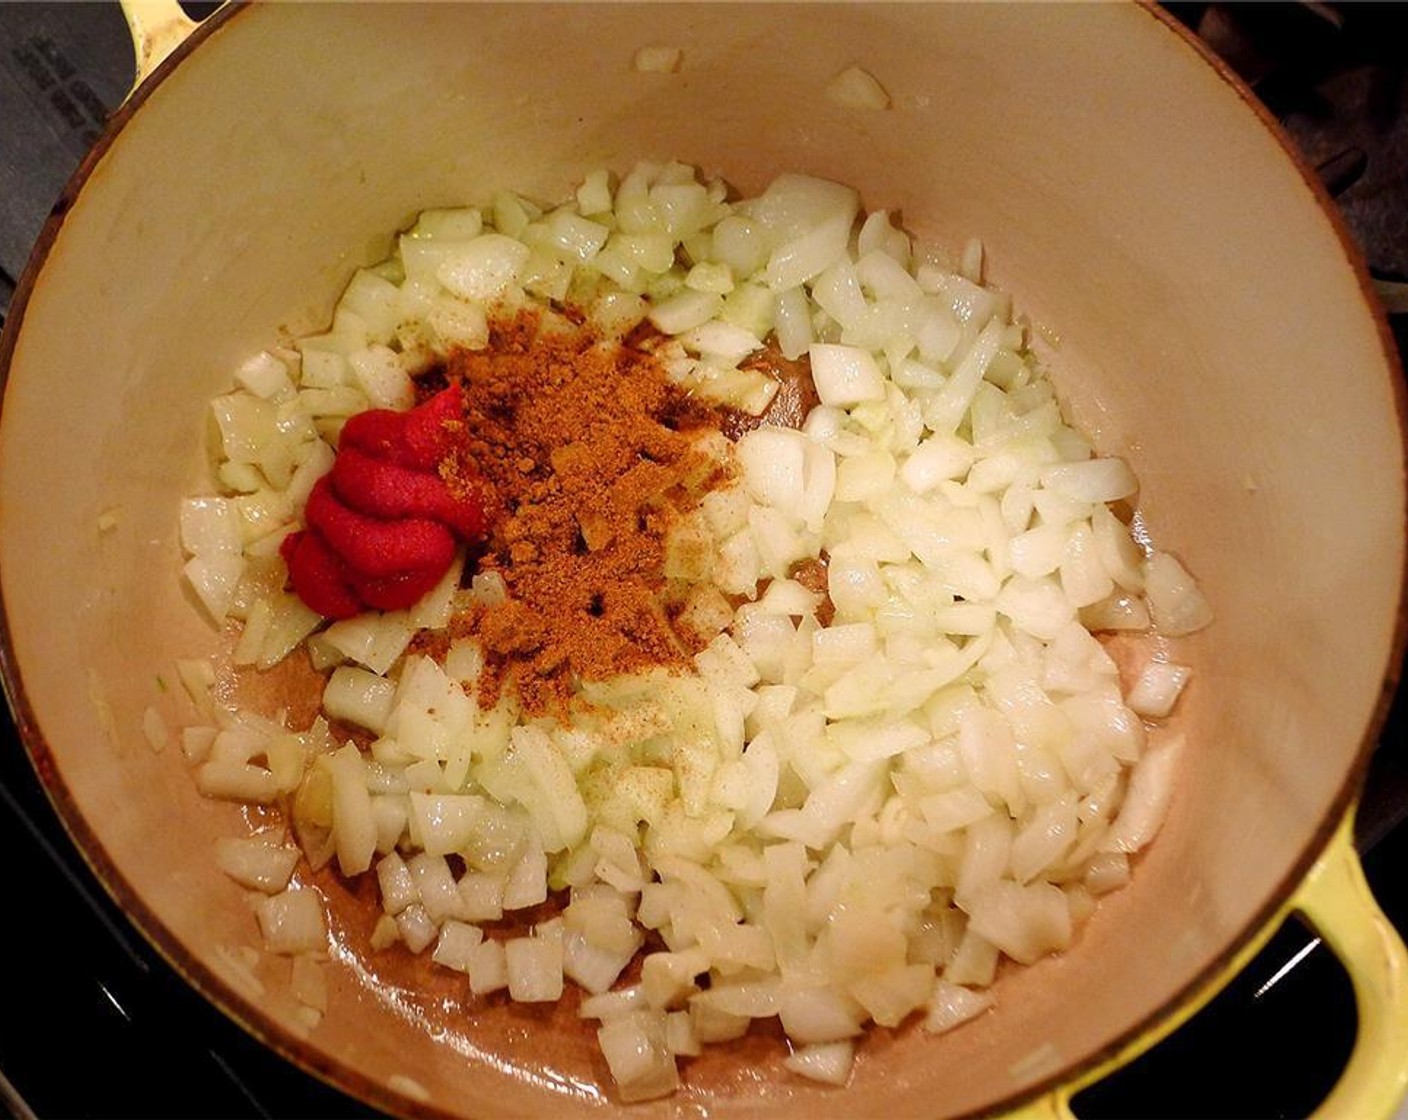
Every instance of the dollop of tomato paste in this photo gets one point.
(381, 527)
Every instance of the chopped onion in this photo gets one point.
(1025, 922)
(416, 927)
(483, 268)
(359, 697)
(1175, 601)
(1095, 480)
(534, 966)
(1157, 690)
(487, 966)
(855, 88)
(292, 922)
(952, 1004)
(456, 944)
(828, 1062)
(256, 862)
(1147, 800)
(845, 375)
(638, 1055)
(658, 60)
(867, 793)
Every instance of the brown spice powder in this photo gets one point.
(590, 451)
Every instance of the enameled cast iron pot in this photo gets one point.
(1214, 326)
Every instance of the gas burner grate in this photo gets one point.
(1336, 76)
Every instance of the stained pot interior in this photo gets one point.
(1210, 328)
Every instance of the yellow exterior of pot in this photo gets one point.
(1336, 901)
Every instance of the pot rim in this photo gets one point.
(352, 1081)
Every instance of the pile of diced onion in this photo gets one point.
(834, 825)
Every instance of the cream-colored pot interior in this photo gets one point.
(1212, 328)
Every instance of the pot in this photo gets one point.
(1214, 326)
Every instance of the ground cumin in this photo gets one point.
(588, 448)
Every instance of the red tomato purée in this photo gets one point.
(382, 526)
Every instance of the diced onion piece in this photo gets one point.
(855, 88)
(721, 341)
(384, 933)
(877, 234)
(455, 946)
(197, 677)
(891, 994)
(382, 378)
(264, 375)
(354, 826)
(215, 580)
(819, 1014)
(577, 237)
(293, 922)
(487, 965)
(481, 896)
(1177, 604)
(359, 697)
(1118, 612)
(196, 743)
(1094, 480)
(773, 462)
(1118, 551)
(952, 1004)
(845, 375)
(974, 963)
(712, 1025)
(1044, 839)
(793, 323)
(445, 822)
(1107, 871)
(462, 223)
(685, 311)
(828, 1062)
(398, 886)
(944, 412)
(534, 967)
(554, 801)
(154, 729)
(594, 968)
(210, 527)
(232, 780)
(1157, 689)
(657, 60)
(613, 1005)
(1025, 922)
(435, 885)
(638, 1055)
(937, 459)
(484, 268)
(594, 194)
(416, 927)
(256, 862)
(1147, 800)
(527, 883)
(374, 640)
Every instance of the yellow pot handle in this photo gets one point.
(157, 27)
(1336, 902)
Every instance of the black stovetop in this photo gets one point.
(112, 1031)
